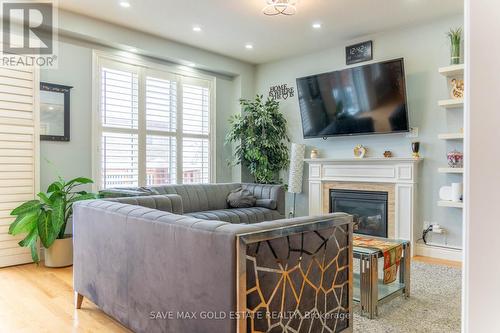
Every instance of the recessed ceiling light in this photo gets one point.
(191, 64)
(316, 25)
(196, 28)
(133, 49)
(248, 46)
(125, 4)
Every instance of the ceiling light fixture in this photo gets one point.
(248, 46)
(125, 4)
(316, 25)
(280, 7)
(196, 28)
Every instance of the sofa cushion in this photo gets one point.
(239, 215)
(266, 203)
(199, 197)
(240, 198)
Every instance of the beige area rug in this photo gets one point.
(433, 307)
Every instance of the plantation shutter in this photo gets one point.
(19, 144)
(153, 128)
(195, 131)
(161, 127)
(120, 125)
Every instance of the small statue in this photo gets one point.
(457, 88)
(387, 154)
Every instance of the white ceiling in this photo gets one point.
(227, 25)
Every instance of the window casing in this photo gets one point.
(152, 126)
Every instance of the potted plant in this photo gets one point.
(260, 137)
(45, 218)
(455, 36)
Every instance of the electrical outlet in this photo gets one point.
(413, 133)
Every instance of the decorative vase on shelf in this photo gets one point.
(314, 154)
(415, 149)
(455, 159)
(455, 36)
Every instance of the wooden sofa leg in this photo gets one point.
(78, 300)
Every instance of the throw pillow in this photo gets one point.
(266, 203)
(240, 198)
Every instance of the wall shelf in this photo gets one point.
(451, 103)
(451, 136)
(451, 170)
(453, 204)
(453, 70)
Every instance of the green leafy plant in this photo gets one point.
(260, 137)
(455, 36)
(45, 218)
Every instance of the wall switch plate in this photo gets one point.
(413, 133)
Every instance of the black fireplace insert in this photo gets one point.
(369, 209)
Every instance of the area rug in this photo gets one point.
(433, 307)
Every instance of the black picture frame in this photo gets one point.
(359, 52)
(62, 89)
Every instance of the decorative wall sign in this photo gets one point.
(54, 112)
(281, 91)
(358, 52)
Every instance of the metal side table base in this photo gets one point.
(369, 294)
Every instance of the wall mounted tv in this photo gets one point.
(369, 99)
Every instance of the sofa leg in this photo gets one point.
(78, 300)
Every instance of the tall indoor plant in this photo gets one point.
(45, 218)
(260, 137)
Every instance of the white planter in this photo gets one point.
(60, 254)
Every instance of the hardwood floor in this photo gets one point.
(442, 262)
(40, 299)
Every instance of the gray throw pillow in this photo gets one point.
(240, 198)
(266, 203)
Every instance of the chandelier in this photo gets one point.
(280, 7)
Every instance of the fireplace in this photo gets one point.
(369, 209)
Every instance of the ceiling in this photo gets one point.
(227, 25)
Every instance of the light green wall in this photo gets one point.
(424, 49)
(79, 36)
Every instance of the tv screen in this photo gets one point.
(369, 99)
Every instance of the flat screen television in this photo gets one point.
(369, 99)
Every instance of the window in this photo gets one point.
(153, 127)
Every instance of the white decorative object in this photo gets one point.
(456, 191)
(445, 193)
(296, 171)
(314, 153)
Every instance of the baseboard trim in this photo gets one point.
(438, 252)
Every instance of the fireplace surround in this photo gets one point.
(396, 176)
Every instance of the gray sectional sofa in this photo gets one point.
(180, 260)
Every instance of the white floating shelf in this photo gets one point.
(451, 103)
(454, 204)
(451, 170)
(451, 136)
(453, 70)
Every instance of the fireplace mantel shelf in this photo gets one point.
(365, 160)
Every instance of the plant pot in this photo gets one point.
(60, 254)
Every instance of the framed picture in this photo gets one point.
(54, 112)
(359, 52)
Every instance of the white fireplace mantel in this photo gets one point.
(402, 172)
